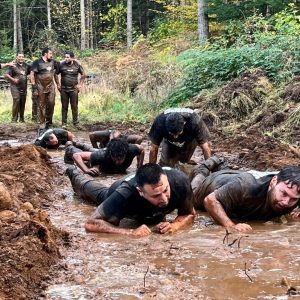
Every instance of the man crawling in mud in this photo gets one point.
(115, 158)
(245, 196)
(100, 139)
(146, 196)
(53, 138)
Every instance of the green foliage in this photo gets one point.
(6, 52)
(278, 56)
(116, 30)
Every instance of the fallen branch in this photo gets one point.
(226, 236)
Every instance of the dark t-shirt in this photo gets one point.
(45, 71)
(19, 72)
(61, 134)
(123, 200)
(107, 165)
(242, 195)
(69, 75)
(194, 128)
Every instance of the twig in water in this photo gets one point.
(226, 236)
(232, 243)
(239, 243)
(145, 277)
(247, 273)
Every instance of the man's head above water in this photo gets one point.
(153, 184)
(51, 139)
(284, 189)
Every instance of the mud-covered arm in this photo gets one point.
(107, 217)
(206, 150)
(140, 157)
(153, 153)
(217, 212)
(80, 158)
(70, 136)
(9, 78)
(181, 222)
(98, 137)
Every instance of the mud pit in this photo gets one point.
(200, 263)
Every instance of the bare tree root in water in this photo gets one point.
(145, 277)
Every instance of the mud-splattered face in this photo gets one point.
(157, 194)
(68, 58)
(283, 195)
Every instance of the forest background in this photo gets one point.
(233, 60)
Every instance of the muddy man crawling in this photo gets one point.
(146, 196)
(245, 196)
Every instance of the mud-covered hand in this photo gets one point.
(166, 227)
(93, 171)
(241, 227)
(78, 88)
(141, 231)
(295, 214)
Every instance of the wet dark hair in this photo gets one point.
(117, 149)
(45, 50)
(175, 122)
(71, 53)
(149, 174)
(290, 175)
(48, 137)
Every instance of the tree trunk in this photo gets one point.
(202, 21)
(82, 20)
(15, 46)
(91, 24)
(49, 14)
(20, 36)
(129, 23)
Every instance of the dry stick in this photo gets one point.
(246, 272)
(145, 277)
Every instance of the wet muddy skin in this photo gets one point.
(199, 263)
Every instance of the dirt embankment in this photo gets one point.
(29, 244)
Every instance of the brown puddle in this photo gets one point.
(199, 263)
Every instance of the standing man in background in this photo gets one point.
(43, 71)
(17, 76)
(69, 70)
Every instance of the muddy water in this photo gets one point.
(199, 263)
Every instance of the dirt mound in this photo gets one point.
(292, 90)
(28, 241)
(255, 151)
(239, 97)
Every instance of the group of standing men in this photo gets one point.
(43, 73)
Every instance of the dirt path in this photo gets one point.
(192, 265)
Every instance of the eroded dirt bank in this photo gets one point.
(29, 243)
(188, 265)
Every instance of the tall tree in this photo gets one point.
(15, 16)
(19, 31)
(82, 19)
(49, 14)
(129, 23)
(203, 31)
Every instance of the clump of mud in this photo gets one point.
(29, 244)
(292, 90)
(237, 99)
